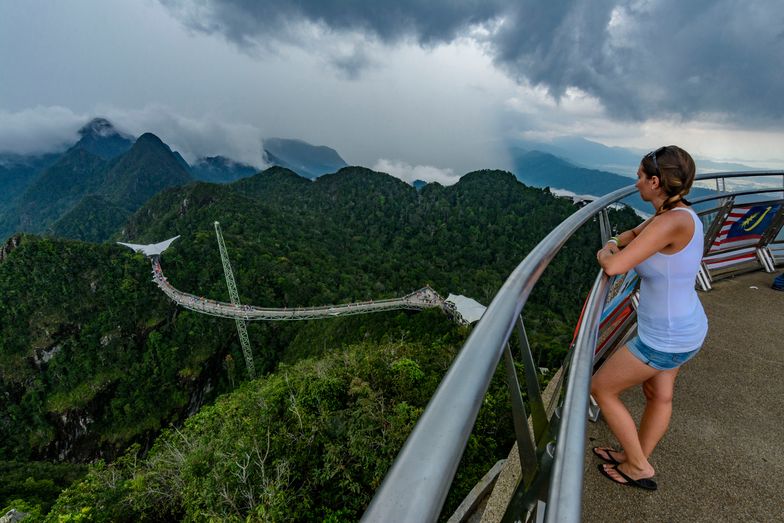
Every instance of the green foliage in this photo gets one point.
(91, 351)
(35, 485)
(310, 442)
(93, 358)
(17, 172)
(99, 496)
(218, 169)
(88, 197)
(93, 219)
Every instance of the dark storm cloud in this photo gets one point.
(719, 59)
(428, 22)
(653, 59)
(353, 64)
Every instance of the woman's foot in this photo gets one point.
(625, 474)
(610, 455)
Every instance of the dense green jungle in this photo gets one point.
(118, 406)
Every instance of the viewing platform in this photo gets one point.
(723, 458)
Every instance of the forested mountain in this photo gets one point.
(147, 168)
(100, 138)
(219, 169)
(17, 172)
(310, 161)
(93, 358)
(124, 182)
(93, 219)
(55, 191)
(107, 174)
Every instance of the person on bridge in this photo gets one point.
(666, 251)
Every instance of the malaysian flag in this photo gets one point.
(739, 235)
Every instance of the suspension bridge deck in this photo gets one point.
(723, 458)
(422, 299)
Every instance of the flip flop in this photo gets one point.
(607, 457)
(643, 483)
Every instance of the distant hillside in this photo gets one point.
(307, 160)
(17, 172)
(100, 138)
(585, 153)
(589, 154)
(147, 168)
(53, 202)
(219, 169)
(545, 170)
(55, 191)
(93, 219)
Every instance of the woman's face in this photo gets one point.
(645, 185)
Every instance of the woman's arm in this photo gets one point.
(653, 236)
(626, 237)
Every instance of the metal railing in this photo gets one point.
(552, 457)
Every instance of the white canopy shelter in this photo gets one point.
(155, 249)
(470, 309)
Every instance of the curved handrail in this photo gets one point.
(573, 429)
(415, 487)
(704, 199)
(418, 481)
(738, 174)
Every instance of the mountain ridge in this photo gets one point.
(101, 138)
(127, 181)
(310, 161)
(148, 167)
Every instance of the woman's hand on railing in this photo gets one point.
(608, 250)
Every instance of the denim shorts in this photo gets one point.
(658, 359)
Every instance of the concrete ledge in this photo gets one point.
(478, 494)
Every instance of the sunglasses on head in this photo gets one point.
(652, 155)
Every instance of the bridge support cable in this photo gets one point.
(242, 328)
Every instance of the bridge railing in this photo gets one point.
(551, 456)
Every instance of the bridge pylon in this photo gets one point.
(242, 328)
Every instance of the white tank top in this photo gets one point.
(670, 317)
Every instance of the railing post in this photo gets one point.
(525, 444)
(535, 403)
(604, 225)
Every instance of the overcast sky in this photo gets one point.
(433, 87)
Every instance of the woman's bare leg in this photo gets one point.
(658, 409)
(622, 371)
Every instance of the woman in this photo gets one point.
(666, 251)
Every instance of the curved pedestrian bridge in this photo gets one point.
(723, 457)
(424, 298)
